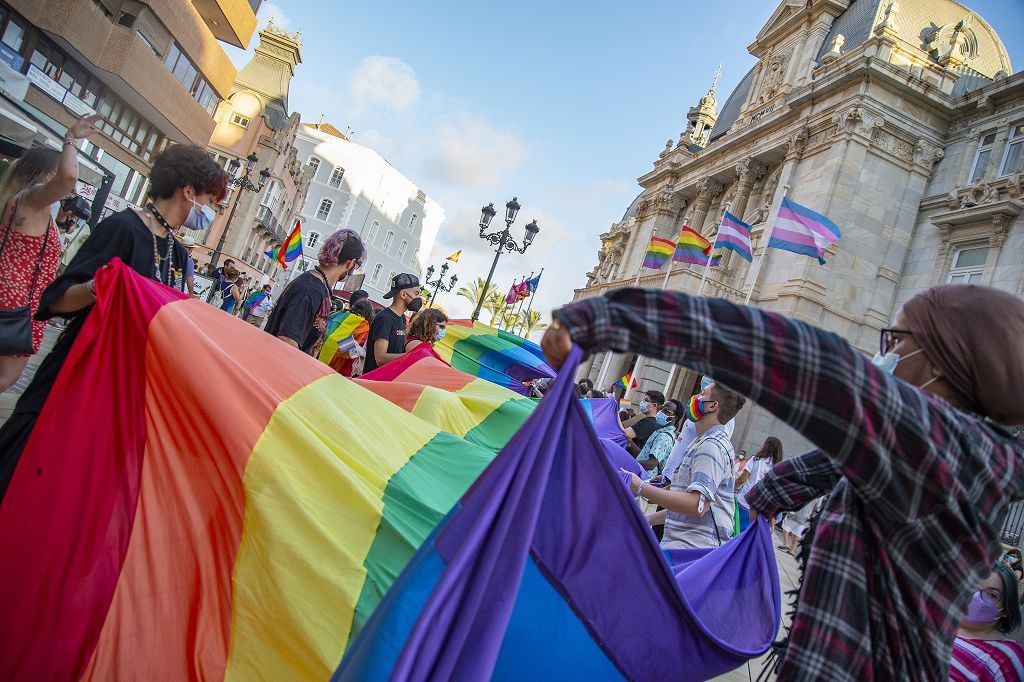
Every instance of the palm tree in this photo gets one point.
(472, 292)
(533, 323)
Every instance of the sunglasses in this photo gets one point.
(889, 337)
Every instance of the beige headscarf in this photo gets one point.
(974, 335)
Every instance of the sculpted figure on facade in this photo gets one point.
(980, 193)
(775, 73)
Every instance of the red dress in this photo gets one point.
(18, 265)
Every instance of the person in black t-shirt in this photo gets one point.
(641, 430)
(300, 316)
(386, 341)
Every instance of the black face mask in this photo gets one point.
(415, 304)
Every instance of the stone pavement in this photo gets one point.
(789, 575)
(10, 397)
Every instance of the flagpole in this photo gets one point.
(707, 266)
(764, 249)
(530, 306)
(505, 307)
(515, 314)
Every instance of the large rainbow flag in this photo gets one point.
(547, 570)
(250, 535)
(498, 356)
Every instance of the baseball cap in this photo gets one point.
(402, 281)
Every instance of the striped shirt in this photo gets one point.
(919, 489)
(986, 660)
(706, 468)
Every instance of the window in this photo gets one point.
(314, 164)
(412, 221)
(325, 209)
(271, 195)
(968, 265)
(374, 229)
(401, 250)
(14, 34)
(239, 120)
(981, 160)
(312, 239)
(391, 278)
(188, 75)
(389, 240)
(336, 176)
(1011, 158)
(377, 269)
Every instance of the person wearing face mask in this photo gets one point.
(184, 182)
(688, 434)
(427, 326)
(983, 651)
(657, 448)
(387, 331)
(639, 430)
(920, 477)
(300, 316)
(699, 504)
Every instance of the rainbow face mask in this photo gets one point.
(695, 409)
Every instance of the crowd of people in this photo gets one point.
(898, 509)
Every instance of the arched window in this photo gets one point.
(336, 176)
(391, 278)
(388, 241)
(377, 269)
(324, 211)
(401, 250)
(314, 163)
(313, 239)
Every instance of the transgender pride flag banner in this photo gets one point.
(734, 234)
(801, 230)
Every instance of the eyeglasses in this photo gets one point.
(889, 338)
(993, 595)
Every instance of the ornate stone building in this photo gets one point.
(898, 120)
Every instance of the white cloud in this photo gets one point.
(272, 12)
(384, 81)
(471, 153)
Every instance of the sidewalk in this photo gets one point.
(9, 398)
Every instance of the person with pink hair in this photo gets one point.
(300, 317)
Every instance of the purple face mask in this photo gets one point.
(981, 610)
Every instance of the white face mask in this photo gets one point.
(199, 217)
(644, 405)
(887, 363)
(440, 333)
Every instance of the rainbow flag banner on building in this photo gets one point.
(658, 252)
(734, 234)
(290, 249)
(250, 536)
(546, 565)
(691, 247)
(489, 353)
(801, 230)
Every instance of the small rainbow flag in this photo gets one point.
(251, 301)
(625, 381)
(691, 247)
(625, 404)
(455, 256)
(658, 253)
(289, 250)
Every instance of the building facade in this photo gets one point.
(354, 187)
(154, 70)
(900, 121)
(254, 119)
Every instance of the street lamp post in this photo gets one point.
(438, 284)
(502, 240)
(243, 183)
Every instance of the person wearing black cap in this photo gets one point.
(356, 296)
(386, 341)
(300, 316)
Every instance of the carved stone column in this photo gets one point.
(707, 190)
(749, 171)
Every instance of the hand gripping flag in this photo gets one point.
(455, 256)
(547, 570)
(290, 249)
(801, 230)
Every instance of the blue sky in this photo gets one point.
(563, 104)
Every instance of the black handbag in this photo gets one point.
(16, 323)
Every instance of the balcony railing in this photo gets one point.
(264, 216)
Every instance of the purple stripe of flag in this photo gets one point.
(789, 235)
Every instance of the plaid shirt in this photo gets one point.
(920, 489)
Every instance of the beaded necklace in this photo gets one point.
(170, 247)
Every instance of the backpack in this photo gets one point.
(218, 296)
